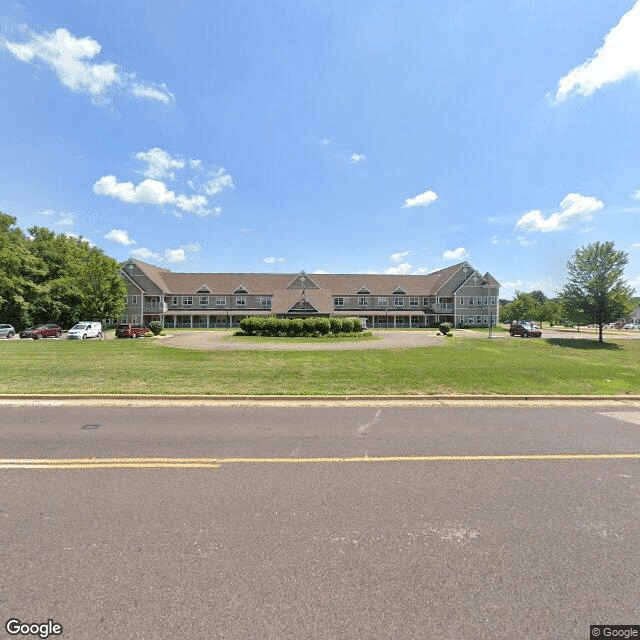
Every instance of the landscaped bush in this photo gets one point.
(295, 327)
(272, 326)
(309, 326)
(323, 326)
(445, 327)
(336, 324)
(253, 325)
(356, 325)
(155, 327)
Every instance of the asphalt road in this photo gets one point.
(367, 522)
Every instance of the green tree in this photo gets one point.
(20, 271)
(524, 307)
(596, 290)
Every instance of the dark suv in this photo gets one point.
(130, 330)
(525, 329)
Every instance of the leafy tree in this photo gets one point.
(538, 296)
(596, 291)
(19, 274)
(525, 306)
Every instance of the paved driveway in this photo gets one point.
(219, 340)
(384, 340)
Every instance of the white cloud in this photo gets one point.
(174, 256)
(320, 271)
(357, 157)
(70, 59)
(421, 272)
(270, 260)
(526, 242)
(618, 58)
(397, 257)
(62, 219)
(154, 192)
(121, 236)
(145, 254)
(160, 164)
(455, 254)
(192, 248)
(152, 92)
(219, 181)
(421, 200)
(636, 195)
(402, 268)
(325, 142)
(573, 208)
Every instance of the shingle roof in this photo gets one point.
(275, 284)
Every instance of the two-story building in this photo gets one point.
(458, 294)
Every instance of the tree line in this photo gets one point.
(50, 277)
(595, 292)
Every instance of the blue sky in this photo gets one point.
(334, 136)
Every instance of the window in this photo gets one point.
(461, 302)
(174, 301)
(221, 302)
(478, 319)
(414, 302)
(470, 303)
(485, 301)
(241, 301)
(204, 301)
(187, 300)
(398, 302)
(338, 302)
(265, 301)
(362, 302)
(382, 302)
(493, 301)
(134, 299)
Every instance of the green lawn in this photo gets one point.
(459, 365)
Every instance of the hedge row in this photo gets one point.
(272, 326)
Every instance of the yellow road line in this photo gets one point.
(215, 463)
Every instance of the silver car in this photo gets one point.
(7, 331)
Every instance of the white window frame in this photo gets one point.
(241, 301)
(221, 302)
(134, 299)
(204, 301)
(398, 301)
(187, 301)
(414, 302)
(383, 302)
(363, 302)
(338, 302)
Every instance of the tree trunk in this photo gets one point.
(600, 332)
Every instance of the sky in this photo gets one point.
(333, 136)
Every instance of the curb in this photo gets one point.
(316, 400)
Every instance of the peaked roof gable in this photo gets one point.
(302, 281)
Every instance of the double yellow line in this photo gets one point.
(215, 463)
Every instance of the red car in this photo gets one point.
(42, 331)
(130, 331)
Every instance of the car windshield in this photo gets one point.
(37, 326)
(80, 326)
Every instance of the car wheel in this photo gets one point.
(9, 336)
(84, 337)
(525, 335)
(36, 337)
(99, 336)
(58, 334)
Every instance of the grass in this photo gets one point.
(554, 366)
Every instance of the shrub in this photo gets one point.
(445, 327)
(271, 326)
(336, 324)
(356, 325)
(155, 327)
(323, 326)
(309, 326)
(295, 327)
(252, 325)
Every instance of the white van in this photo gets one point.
(84, 330)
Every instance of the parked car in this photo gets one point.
(630, 325)
(130, 330)
(42, 331)
(84, 330)
(525, 330)
(7, 331)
